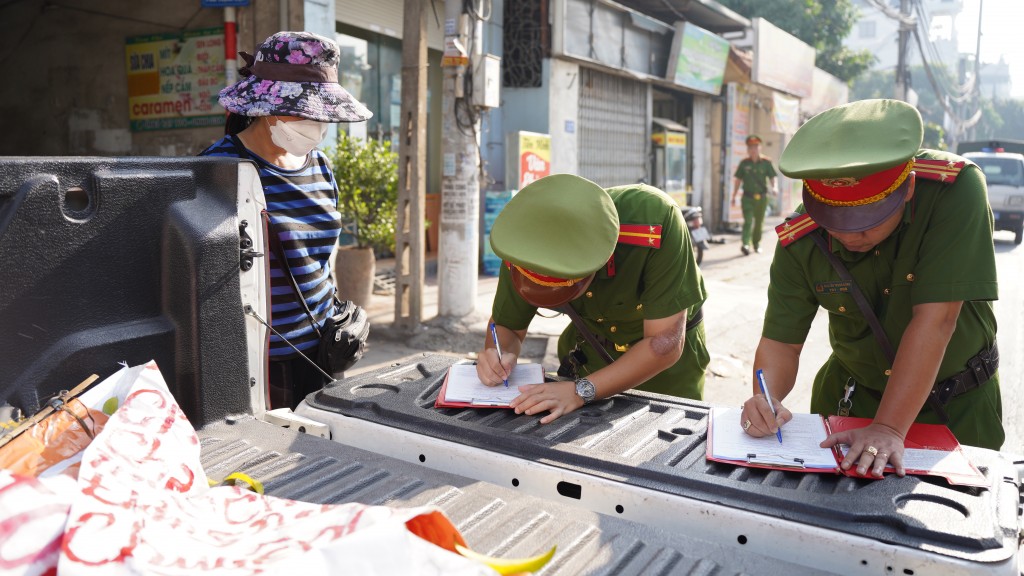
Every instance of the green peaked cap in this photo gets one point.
(854, 140)
(560, 225)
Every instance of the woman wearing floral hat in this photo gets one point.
(278, 114)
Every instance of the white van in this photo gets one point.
(1004, 172)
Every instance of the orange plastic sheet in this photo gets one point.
(52, 440)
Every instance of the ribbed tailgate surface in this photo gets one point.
(658, 442)
(494, 520)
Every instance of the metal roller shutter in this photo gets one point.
(613, 128)
(386, 17)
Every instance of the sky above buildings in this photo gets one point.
(1000, 35)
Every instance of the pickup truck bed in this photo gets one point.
(497, 520)
(109, 260)
(641, 457)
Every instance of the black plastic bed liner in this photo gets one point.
(494, 520)
(657, 442)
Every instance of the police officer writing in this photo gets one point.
(757, 177)
(907, 232)
(619, 262)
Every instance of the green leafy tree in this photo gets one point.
(882, 83)
(934, 136)
(367, 176)
(1001, 119)
(822, 24)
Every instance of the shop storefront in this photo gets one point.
(369, 35)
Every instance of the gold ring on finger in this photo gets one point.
(746, 425)
(871, 450)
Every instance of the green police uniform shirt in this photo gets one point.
(941, 252)
(642, 282)
(754, 176)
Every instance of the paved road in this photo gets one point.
(1010, 316)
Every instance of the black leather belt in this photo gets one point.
(980, 369)
(697, 319)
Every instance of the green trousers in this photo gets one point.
(753, 218)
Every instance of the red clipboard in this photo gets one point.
(533, 373)
(957, 468)
(442, 402)
(935, 444)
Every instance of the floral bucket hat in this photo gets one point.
(293, 74)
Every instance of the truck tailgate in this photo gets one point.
(495, 520)
(641, 457)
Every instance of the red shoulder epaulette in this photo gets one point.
(640, 235)
(795, 228)
(941, 170)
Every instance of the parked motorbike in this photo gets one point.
(699, 235)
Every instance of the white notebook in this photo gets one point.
(463, 387)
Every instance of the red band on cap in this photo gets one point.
(544, 280)
(859, 191)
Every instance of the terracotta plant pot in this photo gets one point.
(354, 269)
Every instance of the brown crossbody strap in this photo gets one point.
(858, 297)
(581, 327)
(869, 315)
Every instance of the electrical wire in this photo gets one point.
(893, 14)
(466, 114)
(958, 92)
(473, 11)
(960, 122)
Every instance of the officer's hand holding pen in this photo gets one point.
(757, 419)
(494, 364)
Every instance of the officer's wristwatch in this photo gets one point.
(586, 390)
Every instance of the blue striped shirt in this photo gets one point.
(302, 207)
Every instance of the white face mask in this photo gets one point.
(298, 137)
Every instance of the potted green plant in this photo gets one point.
(367, 176)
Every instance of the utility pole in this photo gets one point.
(412, 169)
(458, 249)
(977, 70)
(902, 68)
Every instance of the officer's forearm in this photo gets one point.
(917, 364)
(780, 362)
(660, 348)
(638, 365)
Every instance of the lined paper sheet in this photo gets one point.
(465, 386)
(800, 439)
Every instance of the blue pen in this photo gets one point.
(764, 390)
(497, 347)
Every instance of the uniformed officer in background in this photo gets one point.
(756, 175)
(913, 228)
(621, 259)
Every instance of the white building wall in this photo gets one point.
(563, 115)
(877, 32)
(700, 133)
